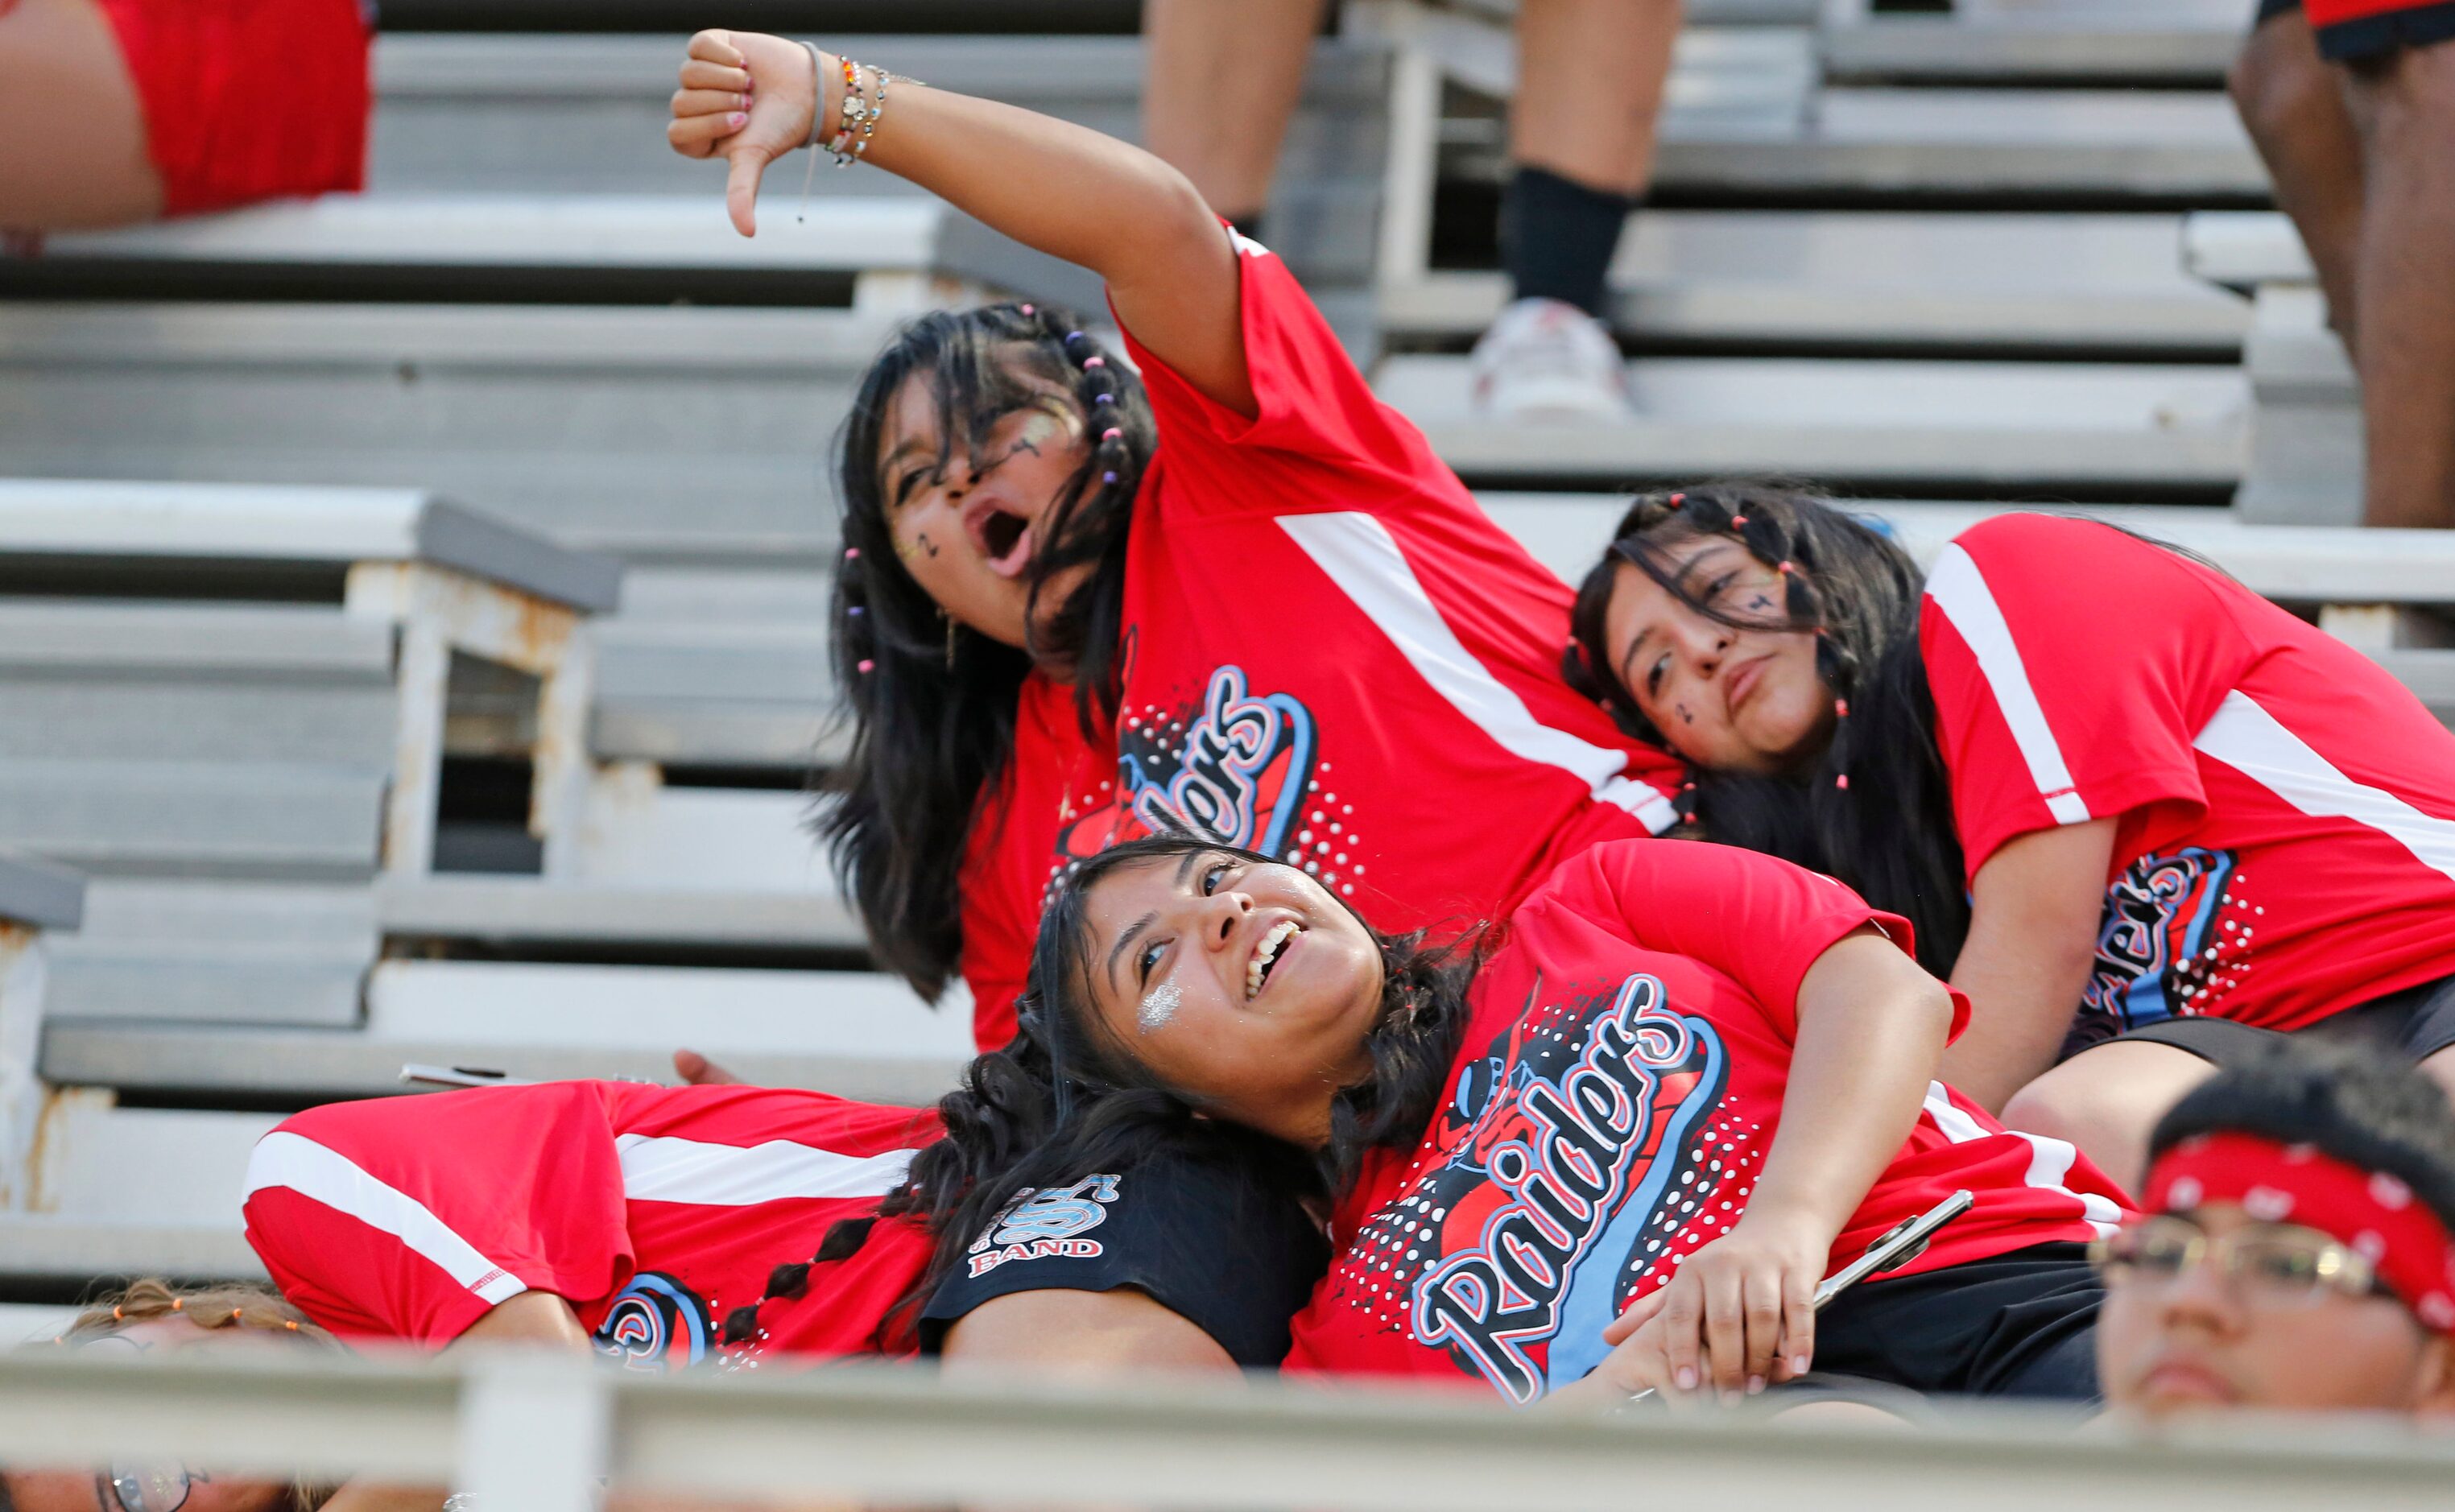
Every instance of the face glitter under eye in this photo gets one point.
(1159, 1007)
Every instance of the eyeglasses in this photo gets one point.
(149, 1487)
(2271, 1263)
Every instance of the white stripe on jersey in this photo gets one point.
(1365, 564)
(302, 1165)
(656, 1169)
(2252, 741)
(2050, 1161)
(1960, 590)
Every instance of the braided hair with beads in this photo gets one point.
(931, 708)
(1869, 800)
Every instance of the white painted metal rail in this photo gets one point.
(534, 1432)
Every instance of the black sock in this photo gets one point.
(1556, 237)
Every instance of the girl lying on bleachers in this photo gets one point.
(1615, 1156)
(2140, 815)
(749, 1227)
(1234, 592)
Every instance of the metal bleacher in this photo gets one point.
(1950, 261)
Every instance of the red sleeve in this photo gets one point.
(1756, 920)
(2071, 666)
(1313, 401)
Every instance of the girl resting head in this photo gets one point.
(1248, 989)
(1773, 640)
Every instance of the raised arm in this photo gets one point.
(1065, 190)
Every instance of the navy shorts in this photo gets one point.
(2369, 38)
(2413, 1024)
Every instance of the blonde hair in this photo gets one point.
(228, 1304)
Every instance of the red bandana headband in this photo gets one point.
(2369, 1212)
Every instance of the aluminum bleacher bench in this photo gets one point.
(526, 114)
(1991, 424)
(666, 432)
(1884, 279)
(155, 725)
(2149, 43)
(2305, 451)
(864, 250)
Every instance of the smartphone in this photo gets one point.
(1906, 1242)
(415, 1075)
(1903, 1244)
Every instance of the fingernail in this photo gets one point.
(1799, 1364)
(737, 118)
(1687, 1378)
(1755, 1386)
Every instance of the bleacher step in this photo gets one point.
(1994, 424)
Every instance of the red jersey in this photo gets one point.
(1055, 803)
(656, 1211)
(2287, 840)
(1333, 656)
(1620, 1085)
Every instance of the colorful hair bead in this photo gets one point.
(179, 1304)
(852, 553)
(1679, 499)
(1841, 707)
(1108, 478)
(1029, 311)
(1739, 522)
(1073, 336)
(1092, 363)
(854, 612)
(1842, 783)
(866, 665)
(1785, 568)
(1111, 433)
(1105, 398)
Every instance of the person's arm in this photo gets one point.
(1062, 189)
(1739, 1313)
(2033, 927)
(1077, 1332)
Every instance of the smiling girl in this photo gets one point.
(1616, 1155)
(1224, 588)
(2140, 815)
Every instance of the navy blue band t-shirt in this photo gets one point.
(1205, 1233)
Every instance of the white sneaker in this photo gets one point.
(1547, 359)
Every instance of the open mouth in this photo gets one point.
(1003, 537)
(1001, 533)
(1267, 955)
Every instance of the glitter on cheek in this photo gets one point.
(1159, 1007)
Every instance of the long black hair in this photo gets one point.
(932, 708)
(1413, 1038)
(1872, 805)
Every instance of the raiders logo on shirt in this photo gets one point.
(1046, 1224)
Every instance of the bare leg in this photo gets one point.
(2405, 107)
(1223, 79)
(71, 131)
(2292, 102)
(2107, 1101)
(1589, 81)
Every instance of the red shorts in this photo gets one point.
(656, 1211)
(248, 99)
